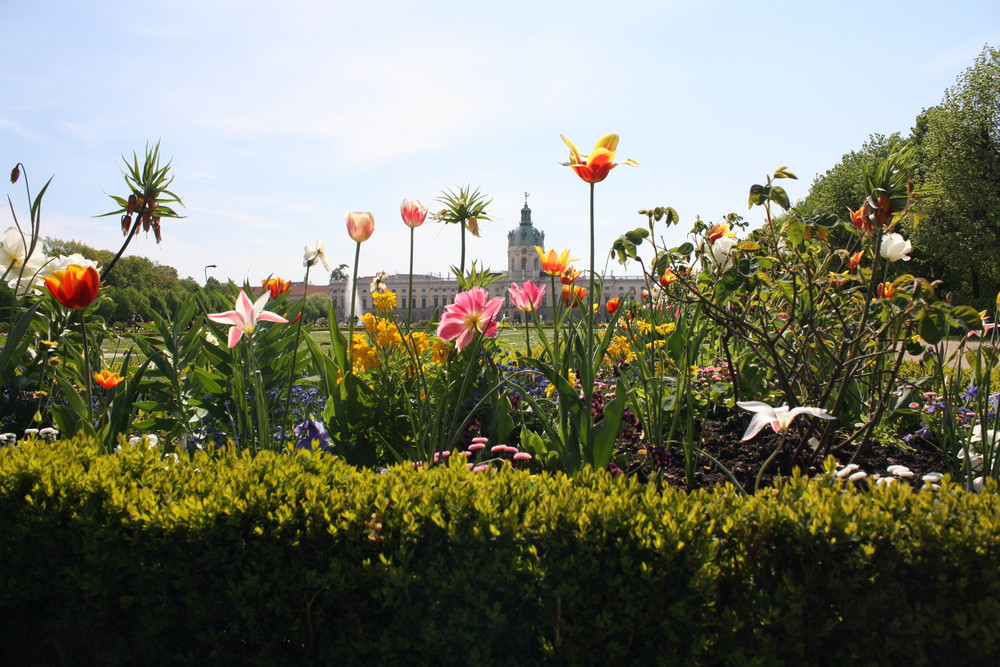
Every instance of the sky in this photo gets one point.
(281, 117)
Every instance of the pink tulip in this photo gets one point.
(470, 313)
(245, 317)
(360, 226)
(414, 213)
(527, 298)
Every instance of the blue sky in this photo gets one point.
(281, 117)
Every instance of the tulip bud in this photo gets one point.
(360, 226)
(15, 173)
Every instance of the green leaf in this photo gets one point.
(932, 325)
(779, 197)
(796, 232)
(606, 432)
(758, 195)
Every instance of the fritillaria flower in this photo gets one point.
(595, 167)
(75, 287)
(414, 213)
(245, 316)
(527, 298)
(276, 286)
(108, 379)
(313, 254)
(552, 263)
(472, 311)
(894, 248)
(778, 419)
(360, 225)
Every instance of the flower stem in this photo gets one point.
(588, 370)
(409, 291)
(354, 298)
(86, 368)
(295, 353)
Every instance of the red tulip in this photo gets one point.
(414, 213)
(595, 167)
(75, 287)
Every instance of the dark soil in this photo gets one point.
(721, 440)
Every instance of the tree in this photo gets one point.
(959, 146)
(339, 273)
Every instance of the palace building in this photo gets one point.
(431, 293)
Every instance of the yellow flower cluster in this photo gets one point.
(384, 301)
(620, 350)
(384, 332)
(363, 356)
(666, 329)
(440, 351)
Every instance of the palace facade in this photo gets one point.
(431, 293)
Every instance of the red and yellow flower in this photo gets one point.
(718, 231)
(75, 287)
(595, 167)
(552, 263)
(573, 296)
(108, 379)
(276, 286)
(613, 305)
(570, 275)
(668, 278)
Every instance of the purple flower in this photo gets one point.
(311, 434)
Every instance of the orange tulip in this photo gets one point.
(276, 286)
(595, 167)
(668, 278)
(107, 379)
(360, 226)
(554, 264)
(570, 275)
(855, 260)
(573, 296)
(613, 305)
(75, 287)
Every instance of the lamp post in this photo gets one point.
(207, 267)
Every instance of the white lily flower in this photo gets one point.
(777, 418)
(315, 254)
(894, 248)
(22, 270)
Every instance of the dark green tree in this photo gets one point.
(959, 147)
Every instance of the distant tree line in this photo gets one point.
(956, 237)
(138, 284)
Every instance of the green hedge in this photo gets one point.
(300, 559)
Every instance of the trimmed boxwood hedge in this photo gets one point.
(299, 559)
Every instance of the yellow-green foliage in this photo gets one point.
(301, 559)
